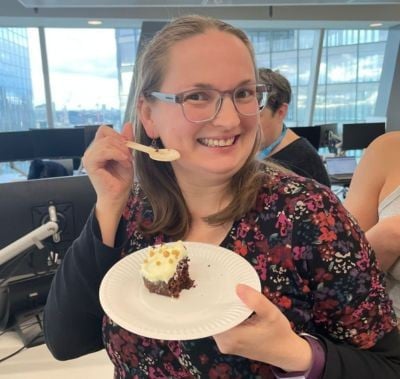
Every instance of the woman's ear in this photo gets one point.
(146, 117)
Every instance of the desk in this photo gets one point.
(38, 363)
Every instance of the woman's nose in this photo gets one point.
(227, 113)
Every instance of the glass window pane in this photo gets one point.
(83, 76)
(304, 66)
(320, 106)
(301, 105)
(283, 40)
(291, 117)
(127, 46)
(370, 61)
(21, 89)
(286, 63)
(341, 102)
(366, 100)
(342, 64)
(322, 67)
(341, 37)
(306, 39)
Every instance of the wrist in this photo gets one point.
(317, 366)
(108, 223)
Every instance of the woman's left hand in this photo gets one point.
(266, 336)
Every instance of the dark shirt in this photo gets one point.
(313, 262)
(302, 158)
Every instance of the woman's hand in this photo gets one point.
(266, 336)
(109, 165)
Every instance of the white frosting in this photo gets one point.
(161, 261)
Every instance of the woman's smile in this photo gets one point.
(217, 142)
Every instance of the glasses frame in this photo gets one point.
(178, 98)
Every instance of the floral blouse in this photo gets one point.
(313, 262)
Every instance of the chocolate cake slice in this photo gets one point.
(165, 270)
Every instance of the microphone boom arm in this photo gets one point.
(33, 238)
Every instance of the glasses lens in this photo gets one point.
(200, 104)
(250, 99)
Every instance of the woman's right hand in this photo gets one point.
(108, 162)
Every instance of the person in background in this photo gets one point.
(374, 200)
(322, 312)
(39, 169)
(281, 143)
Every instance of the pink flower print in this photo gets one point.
(243, 229)
(261, 266)
(156, 373)
(240, 248)
(327, 235)
(175, 348)
(298, 252)
(282, 223)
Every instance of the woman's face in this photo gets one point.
(218, 147)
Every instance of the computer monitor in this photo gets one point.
(90, 132)
(329, 134)
(58, 143)
(16, 146)
(24, 206)
(359, 136)
(311, 133)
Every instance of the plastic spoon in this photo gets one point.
(164, 155)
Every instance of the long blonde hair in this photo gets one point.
(157, 179)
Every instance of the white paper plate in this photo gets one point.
(209, 308)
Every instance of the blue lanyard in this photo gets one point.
(267, 150)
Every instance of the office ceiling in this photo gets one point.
(280, 14)
(180, 3)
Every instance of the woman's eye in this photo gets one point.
(197, 96)
(244, 93)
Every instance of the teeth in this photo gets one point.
(211, 142)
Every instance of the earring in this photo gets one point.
(154, 144)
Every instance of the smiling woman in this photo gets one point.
(322, 311)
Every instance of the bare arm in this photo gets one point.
(384, 237)
(375, 177)
(362, 198)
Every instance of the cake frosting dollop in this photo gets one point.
(162, 260)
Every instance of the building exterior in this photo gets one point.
(16, 109)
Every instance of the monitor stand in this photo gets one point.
(29, 327)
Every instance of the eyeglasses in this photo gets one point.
(203, 104)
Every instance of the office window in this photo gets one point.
(83, 76)
(370, 57)
(289, 52)
(287, 64)
(351, 67)
(341, 64)
(18, 87)
(89, 71)
(127, 45)
(350, 60)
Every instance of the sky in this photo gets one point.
(82, 67)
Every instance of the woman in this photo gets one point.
(374, 199)
(196, 92)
